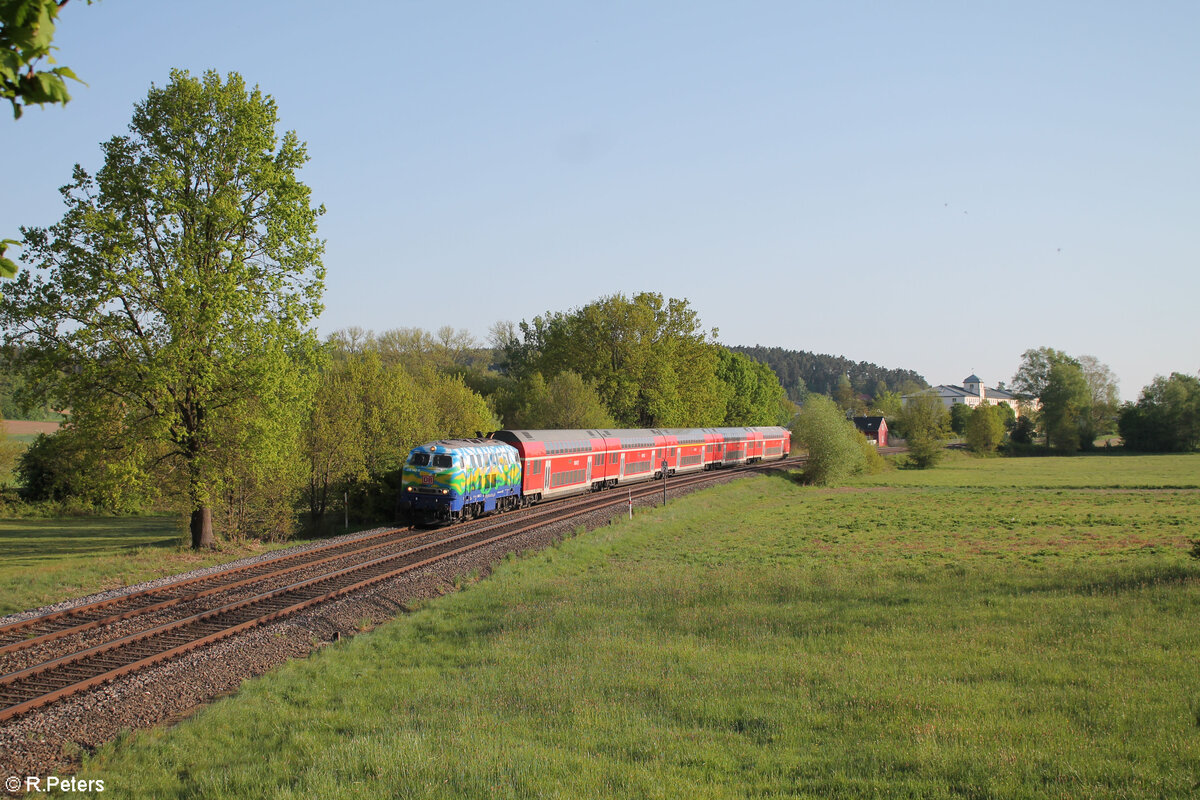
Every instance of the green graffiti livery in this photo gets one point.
(443, 476)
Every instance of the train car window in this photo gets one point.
(441, 462)
(419, 459)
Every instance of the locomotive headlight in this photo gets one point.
(445, 491)
(409, 488)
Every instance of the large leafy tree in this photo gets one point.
(1033, 375)
(1058, 382)
(648, 358)
(887, 404)
(177, 291)
(26, 30)
(846, 397)
(753, 395)
(1105, 402)
(1166, 416)
(564, 401)
(1066, 407)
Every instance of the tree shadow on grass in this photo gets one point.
(31, 541)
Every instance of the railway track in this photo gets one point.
(343, 568)
(52, 626)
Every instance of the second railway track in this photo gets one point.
(351, 566)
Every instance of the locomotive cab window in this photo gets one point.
(419, 459)
(442, 461)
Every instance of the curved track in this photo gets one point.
(340, 569)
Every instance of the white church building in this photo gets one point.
(972, 393)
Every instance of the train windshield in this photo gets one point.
(441, 461)
(419, 459)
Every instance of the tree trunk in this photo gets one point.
(202, 534)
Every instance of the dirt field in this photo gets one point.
(17, 427)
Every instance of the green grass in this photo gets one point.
(43, 561)
(942, 637)
(1104, 471)
(24, 438)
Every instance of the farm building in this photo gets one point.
(874, 428)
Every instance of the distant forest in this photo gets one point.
(801, 372)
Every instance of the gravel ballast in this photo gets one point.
(51, 741)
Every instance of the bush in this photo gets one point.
(960, 418)
(834, 445)
(985, 430)
(75, 469)
(1023, 430)
(49, 468)
(873, 462)
(926, 423)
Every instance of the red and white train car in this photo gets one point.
(559, 463)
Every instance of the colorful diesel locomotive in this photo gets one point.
(464, 478)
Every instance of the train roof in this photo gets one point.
(624, 433)
(455, 444)
(573, 435)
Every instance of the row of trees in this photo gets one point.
(367, 403)
(802, 372)
(837, 450)
(366, 415)
(1077, 397)
(1166, 417)
(170, 311)
(1079, 402)
(648, 361)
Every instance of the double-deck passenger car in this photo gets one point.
(559, 462)
(556, 463)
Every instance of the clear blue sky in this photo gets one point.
(935, 186)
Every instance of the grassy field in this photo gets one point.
(43, 561)
(994, 628)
